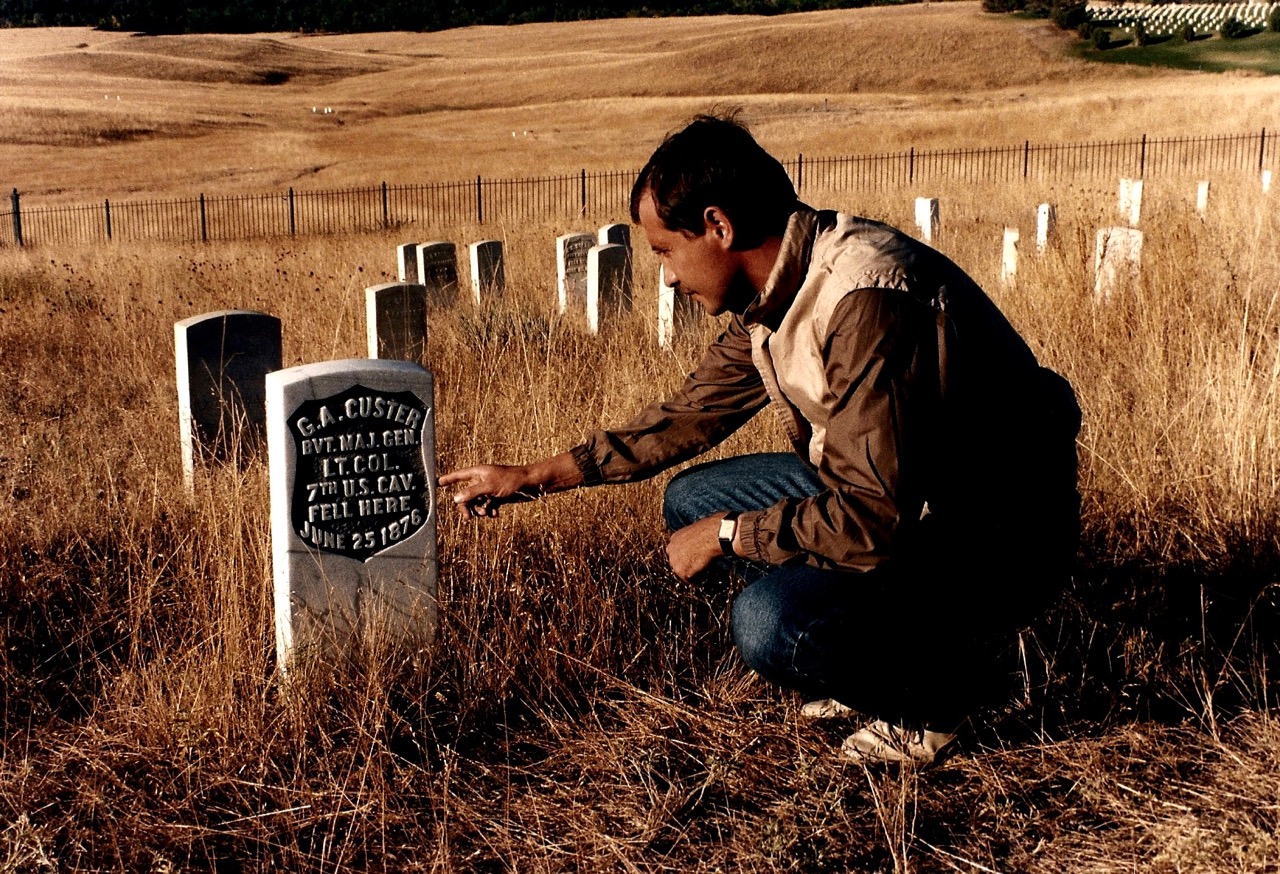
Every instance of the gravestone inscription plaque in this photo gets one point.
(571, 269)
(438, 271)
(396, 321)
(353, 526)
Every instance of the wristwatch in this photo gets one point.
(728, 528)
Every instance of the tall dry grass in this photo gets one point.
(583, 709)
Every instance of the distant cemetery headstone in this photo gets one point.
(1129, 202)
(223, 359)
(396, 321)
(608, 284)
(353, 505)
(1009, 256)
(676, 312)
(927, 218)
(1046, 225)
(1266, 181)
(407, 262)
(438, 270)
(1116, 260)
(617, 233)
(1202, 196)
(488, 273)
(571, 269)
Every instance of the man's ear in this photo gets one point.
(719, 225)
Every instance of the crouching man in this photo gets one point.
(930, 505)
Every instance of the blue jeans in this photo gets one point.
(887, 642)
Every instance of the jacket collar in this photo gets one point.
(788, 272)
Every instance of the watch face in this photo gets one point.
(728, 527)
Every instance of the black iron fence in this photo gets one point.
(599, 194)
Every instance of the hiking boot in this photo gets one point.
(825, 708)
(882, 743)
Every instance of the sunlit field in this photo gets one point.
(583, 709)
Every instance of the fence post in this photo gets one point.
(799, 171)
(204, 224)
(17, 218)
(386, 216)
(584, 191)
(911, 166)
(107, 209)
(293, 216)
(479, 201)
(1026, 157)
(1142, 158)
(1262, 149)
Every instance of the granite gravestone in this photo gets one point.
(396, 321)
(927, 217)
(438, 271)
(222, 361)
(353, 505)
(488, 273)
(1202, 197)
(608, 285)
(1116, 261)
(1129, 201)
(571, 269)
(407, 262)
(676, 312)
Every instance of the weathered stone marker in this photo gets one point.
(396, 321)
(1202, 196)
(1116, 261)
(223, 359)
(488, 272)
(1266, 181)
(438, 270)
(571, 269)
(1009, 256)
(927, 218)
(617, 233)
(353, 505)
(1046, 225)
(676, 312)
(407, 262)
(1129, 202)
(608, 284)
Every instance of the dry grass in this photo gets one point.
(584, 709)
(442, 106)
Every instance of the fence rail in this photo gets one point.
(598, 194)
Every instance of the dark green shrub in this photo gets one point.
(1101, 38)
(1085, 31)
(1140, 35)
(1273, 20)
(1068, 14)
(1233, 28)
(1188, 33)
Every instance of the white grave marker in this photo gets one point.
(676, 311)
(608, 284)
(1129, 203)
(407, 262)
(353, 505)
(1266, 181)
(223, 359)
(438, 270)
(571, 269)
(1009, 257)
(927, 217)
(396, 321)
(1046, 225)
(488, 273)
(1116, 261)
(1202, 196)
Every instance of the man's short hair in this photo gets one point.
(715, 161)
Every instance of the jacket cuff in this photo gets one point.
(749, 534)
(591, 475)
